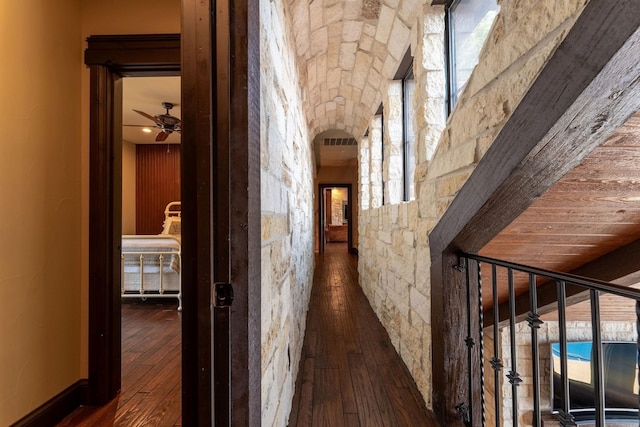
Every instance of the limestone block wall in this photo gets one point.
(287, 216)
(547, 334)
(394, 262)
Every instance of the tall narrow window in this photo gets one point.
(375, 163)
(380, 112)
(468, 24)
(409, 138)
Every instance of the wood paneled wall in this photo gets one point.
(157, 183)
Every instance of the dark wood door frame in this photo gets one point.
(321, 214)
(234, 47)
(110, 58)
(569, 110)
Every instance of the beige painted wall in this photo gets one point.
(40, 187)
(338, 175)
(128, 188)
(44, 185)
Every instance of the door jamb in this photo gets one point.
(110, 58)
(321, 212)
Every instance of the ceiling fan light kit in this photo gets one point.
(165, 122)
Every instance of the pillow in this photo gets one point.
(172, 226)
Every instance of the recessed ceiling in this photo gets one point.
(147, 94)
(335, 148)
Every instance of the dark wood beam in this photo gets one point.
(197, 252)
(136, 54)
(588, 88)
(621, 265)
(245, 213)
(586, 91)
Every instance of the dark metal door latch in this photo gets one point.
(224, 294)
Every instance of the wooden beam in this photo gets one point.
(196, 213)
(136, 54)
(554, 129)
(588, 88)
(245, 211)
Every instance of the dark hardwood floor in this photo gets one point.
(151, 370)
(350, 374)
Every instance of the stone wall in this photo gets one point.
(287, 216)
(394, 262)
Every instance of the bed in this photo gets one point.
(172, 219)
(151, 265)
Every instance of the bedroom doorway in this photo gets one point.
(111, 58)
(151, 249)
(207, 179)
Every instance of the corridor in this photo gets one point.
(350, 374)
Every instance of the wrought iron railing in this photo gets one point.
(475, 265)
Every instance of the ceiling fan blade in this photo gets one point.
(148, 116)
(162, 136)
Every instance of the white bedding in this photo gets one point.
(151, 264)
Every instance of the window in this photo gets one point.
(468, 24)
(380, 112)
(408, 135)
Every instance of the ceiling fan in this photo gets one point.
(165, 122)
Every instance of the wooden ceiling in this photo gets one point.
(593, 210)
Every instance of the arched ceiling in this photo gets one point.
(345, 50)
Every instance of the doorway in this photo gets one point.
(111, 59)
(335, 224)
(151, 338)
(205, 175)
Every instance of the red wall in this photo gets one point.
(157, 183)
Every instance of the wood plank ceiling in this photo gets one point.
(593, 210)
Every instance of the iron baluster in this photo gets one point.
(566, 419)
(496, 363)
(469, 342)
(596, 351)
(481, 343)
(513, 376)
(534, 323)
